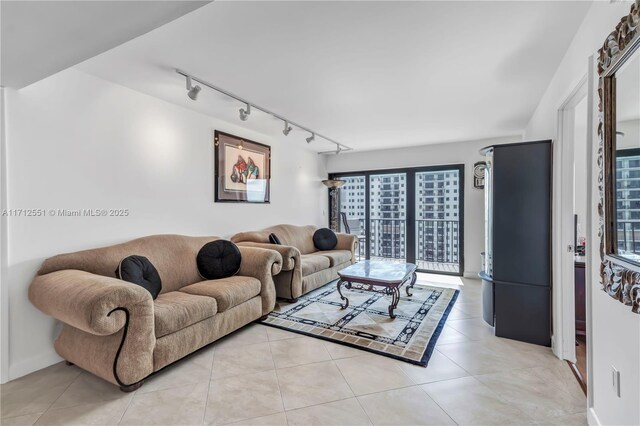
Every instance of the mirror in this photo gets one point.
(627, 160)
(619, 160)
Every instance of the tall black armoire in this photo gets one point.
(516, 275)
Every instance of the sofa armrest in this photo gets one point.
(290, 255)
(87, 301)
(347, 242)
(262, 264)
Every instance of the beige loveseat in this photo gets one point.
(304, 267)
(115, 330)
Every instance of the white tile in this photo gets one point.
(468, 401)
(439, 368)
(99, 413)
(372, 373)
(236, 360)
(299, 351)
(243, 397)
(343, 412)
(312, 384)
(183, 405)
(406, 406)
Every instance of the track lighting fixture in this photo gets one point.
(245, 113)
(192, 90)
(311, 138)
(287, 128)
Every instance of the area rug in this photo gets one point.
(365, 324)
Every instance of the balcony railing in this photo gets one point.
(437, 242)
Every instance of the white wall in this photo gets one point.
(432, 155)
(76, 141)
(615, 329)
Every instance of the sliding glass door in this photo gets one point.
(437, 230)
(407, 215)
(387, 216)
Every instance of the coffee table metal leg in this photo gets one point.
(347, 284)
(410, 286)
(395, 298)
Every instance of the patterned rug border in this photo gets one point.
(426, 356)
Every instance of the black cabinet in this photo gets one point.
(517, 274)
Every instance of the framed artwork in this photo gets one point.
(242, 169)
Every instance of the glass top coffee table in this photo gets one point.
(380, 277)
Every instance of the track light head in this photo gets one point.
(338, 149)
(193, 93)
(311, 138)
(287, 128)
(192, 90)
(245, 113)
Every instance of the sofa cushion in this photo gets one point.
(218, 259)
(273, 239)
(139, 270)
(228, 292)
(336, 257)
(174, 311)
(325, 239)
(312, 263)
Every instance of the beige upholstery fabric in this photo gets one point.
(110, 325)
(176, 345)
(313, 281)
(262, 264)
(228, 292)
(85, 300)
(336, 257)
(300, 237)
(255, 236)
(347, 242)
(176, 310)
(312, 263)
(290, 255)
(289, 284)
(174, 256)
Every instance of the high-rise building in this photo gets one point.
(628, 203)
(437, 215)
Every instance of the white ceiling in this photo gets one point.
(40, 38)
(368, 74)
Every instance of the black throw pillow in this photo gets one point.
(273, 239)
(325, 239)
(139, 270)
(218, 259)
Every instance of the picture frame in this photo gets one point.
(242, 171)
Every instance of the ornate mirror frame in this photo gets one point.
(619, 279)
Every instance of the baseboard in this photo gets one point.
(592, 417)
(32, 364)
(471, 274)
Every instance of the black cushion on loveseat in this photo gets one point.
(325, 239)
(273, 239)
(218, 259)
(139, 270)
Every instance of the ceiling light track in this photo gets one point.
(244, 113)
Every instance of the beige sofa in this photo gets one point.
(304, 268)
(115, 330)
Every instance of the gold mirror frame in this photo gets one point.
(617, 279)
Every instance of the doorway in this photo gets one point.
(572, 221)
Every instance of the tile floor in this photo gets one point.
(265, 376)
